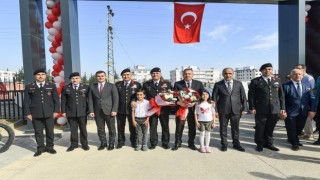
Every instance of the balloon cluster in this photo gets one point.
(55, 37)
(308, 7)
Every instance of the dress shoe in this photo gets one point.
(119, 146)
(175, 147)
(133, 145)
(152, 147)
(301, 134)
(271, 147)
(110, 147)
(192, 146)
(317, 142)
(71, 148)
(38, 153)
(224, 148)
(102, 146)
(295, 148)
(85, 147)
(259, 148)
(239, 148)
(300, 144)
(166, 146)
(51, 151)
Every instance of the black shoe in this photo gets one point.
(295, 148)
(175, 147)
(102, 146)
(166, 146)
(300, 144)
(316, 142)
(152, 147)
(239, 148)
(38, 153)
(85, 147)
(259, 148)
(71, 148)
(110, 147)
(119, 146)
(192, 146)
(133, 145)
(51, 151)
(271, 147)
(224, 148)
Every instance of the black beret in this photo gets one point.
(125, 71)
(40, 70)
(265, 66)
(74, 74)
(156, 69)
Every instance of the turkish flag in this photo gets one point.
(187, 22)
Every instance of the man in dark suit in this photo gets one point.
(300, 104)
(74, 101)
(127, 93)
(103, 105)
(266, 102)
(230, 99)
(41, 106)
(152, 88)
(187, 82)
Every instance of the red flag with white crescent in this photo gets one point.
(187, 22)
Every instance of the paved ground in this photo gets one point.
(19, 163)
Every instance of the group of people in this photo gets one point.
(128, 100)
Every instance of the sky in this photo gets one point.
(232, 35)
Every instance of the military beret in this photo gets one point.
(74, 74)
(156, 69)
(265, 66)
(125, 71)
(40, 70)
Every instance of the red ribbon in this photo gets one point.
(155, 106)
(182, 113)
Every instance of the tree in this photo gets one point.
(84, 79)
(49, 76)
(20, 75)
(92, 79)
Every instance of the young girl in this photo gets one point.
(205, 120)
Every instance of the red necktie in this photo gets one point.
(101, 88)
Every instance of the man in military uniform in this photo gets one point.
(152, 88)
(41, 106)
(266, 102)
(127, 93)
(74, 103)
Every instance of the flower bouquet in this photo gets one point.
(189, 97)
(167, 98)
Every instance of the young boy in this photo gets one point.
(140, 120)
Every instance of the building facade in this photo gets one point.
(6, 76)
(140, 73)
(246, 73)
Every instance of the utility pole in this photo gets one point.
(110, 61)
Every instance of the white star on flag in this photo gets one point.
(187, 26)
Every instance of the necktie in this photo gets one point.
(75, 87)
(41, 86)
(229, 86)
(101, 88)
(268, 81)
(188, 84)
(299, 89)
(156, 84)
(126, 84)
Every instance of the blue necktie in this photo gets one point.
(299, 89)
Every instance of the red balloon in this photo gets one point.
(307, 19)
(60, 61)
(55, 44)
(61, 84)
(59, 92)
(60, 31)
(58, 37)
(48, 25)
(52, 18)
(52, 49)
(58, 5)
(56, 11)
(55, 73)
(57, 68)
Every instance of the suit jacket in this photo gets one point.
(266, 99)
(108, 101)
(126, 95)
(75, 102)
(296, 105)
(41, 103)
(236, 101)
(195, 85)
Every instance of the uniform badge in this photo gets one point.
(164, 86)
(134, 86)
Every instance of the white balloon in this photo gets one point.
(48, 11)
(57, 25)
(57, 85)
(308, 7)
(59, 49)
(56, 56)
(58, 79)
(53, 31)
(55, 61)
(59, 18)
(50, 4)
(51, 38)
(61, 73)
(62, 120)
(306, 13)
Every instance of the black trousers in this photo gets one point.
(80, 122)
(43, 123)
(101, 120)
(191, 125)
(164, 121)
(121, 124)
(234, 120)
(294, 125)
(265, 124)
